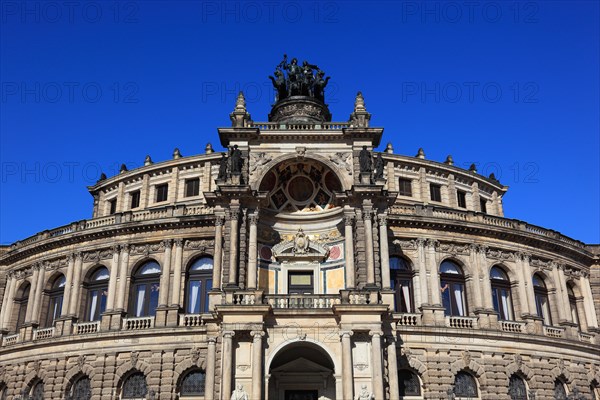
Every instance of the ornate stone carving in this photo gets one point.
(301, 242)
(195, 355)
(258, 161)
(134, 358)
(455, 249)
(147, 249)
(201, 245)
(342, 161)
(499, 254)
(80, 361)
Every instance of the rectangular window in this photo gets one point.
(192, 187)
(483, 203)
(435, 192)
(461, 197)
(405, 187)
(113, 206)
(162, 192)
(300, 282)
(135, 199)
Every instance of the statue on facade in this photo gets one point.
(279, 84)
(365, 161)
(239, 393)
(236, 160)
(222, 168)
(379, 166)
(300, 80)
(364, 394)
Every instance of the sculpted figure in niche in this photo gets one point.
(222, 168)
(236, 160)
(239, 393)
(364, 159)
(379, 165)
(364, 394)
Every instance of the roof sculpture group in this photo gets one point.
(292, 79)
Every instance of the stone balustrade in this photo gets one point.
(302, 301)
(138, 323)
(461, 322)
(408, 319)
(512, 326)
(84, 328)
(191, 320)
(10, 340)
(44, 333)
(552, 331)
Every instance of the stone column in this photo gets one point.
(476, 300)
(32, 291)
(74, 301)
(209, 392)
(560, 297)
(528, 274)
(347, 373)
(522, 287)
(257, 367)
(434, 275)
(7, 302)
(349, 249)
(253, 251)
(39, 290)
(227, 363)
(393, 368)
(122, 286)
(564, 295)
(369, 247)
(112, 280)
(233, 246)
(588, 305)
(69, 282)
(422, 270)
(488, 304)
(165, 275)
(384, 255)
(176, 295)
(218, 257)
(377, 364)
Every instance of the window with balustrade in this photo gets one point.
(55, 300)
(409, 384)
(517, 389)
(21, 301)
(501, 294)
(573, 305)
(199, 278)
(452, 286)
(81, 389)
(401, 275)
(37, 391)
(134, 387)
(542, 304)
(97, 292)
(465, 386)
(192, 384)
(145, 286)
(560, 390)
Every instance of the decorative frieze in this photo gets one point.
(201, 245)
(147, 249)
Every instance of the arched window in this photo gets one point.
(134, 386)
(21, 301)
(193, 384)
(97, 288)
(37, 391)
(573, 305)
(560, 391)
(81, 389)
(465, 386)
(501, 294)
(199, 282)
(401, 280)
(452, 281)
(541, 299)
(409, 383)
(517, 389)
(55, 295)
(145, 287)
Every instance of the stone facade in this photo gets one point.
(324, 277)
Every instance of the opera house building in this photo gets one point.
(299, 264)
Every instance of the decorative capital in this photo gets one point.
(348, 220)
(375, 334)
(115, 249)
(367, 214)
(382, 219)
(346, 334)
(254, 218)
(211, 341)
(257, 335)
(219, 220)
(125, 248)
(178, 242)
(228, 334)
(432, 243)
(167, 243)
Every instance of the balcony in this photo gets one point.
(302, 301)
(85, 328)
(138, 323)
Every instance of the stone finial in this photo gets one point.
(123, 169)
(493, 177)
(473, 168)
(208, 149)
(176, 153)
(389, 149)
(148, 160)
(240, 117)
(102, 177)
(420, 153)
(449, 160)
(360, 117)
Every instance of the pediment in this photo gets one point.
(301, 364)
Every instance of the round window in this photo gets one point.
(300, 189)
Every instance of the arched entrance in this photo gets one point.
(302, 371)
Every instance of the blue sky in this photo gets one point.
(511, 86)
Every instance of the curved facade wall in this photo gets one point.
(301, 275)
